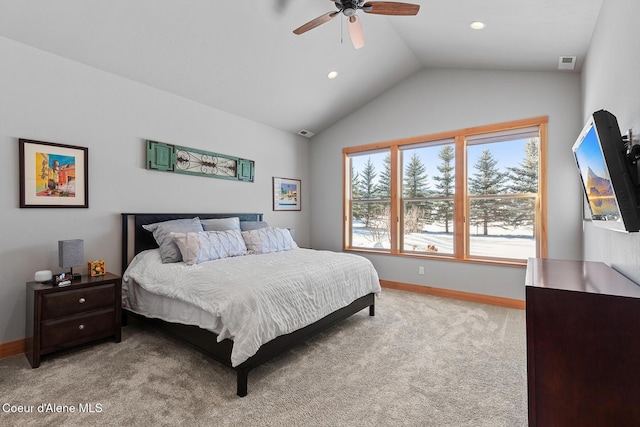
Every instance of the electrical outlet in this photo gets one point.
(420, 270)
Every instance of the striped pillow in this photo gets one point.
(266, 240)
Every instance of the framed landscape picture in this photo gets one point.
(53, 175)
(286, 194)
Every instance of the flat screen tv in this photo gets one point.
(609, 174)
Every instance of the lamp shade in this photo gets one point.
(70, 253)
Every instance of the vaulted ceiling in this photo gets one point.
(242, 56)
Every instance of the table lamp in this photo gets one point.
(71, 254)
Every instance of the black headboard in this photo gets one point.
(143, 240)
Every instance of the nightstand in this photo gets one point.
(62, 317)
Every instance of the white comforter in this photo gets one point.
(260, 297)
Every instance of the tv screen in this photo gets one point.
(608, 174)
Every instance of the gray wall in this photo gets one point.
(437, 100)
(611, 82)
(49, 98)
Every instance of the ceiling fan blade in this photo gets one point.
(315, 22)
(355, 31)
(391, 8)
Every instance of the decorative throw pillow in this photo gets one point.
(169, 252)
(266, 240)
(221, 224)
(253, 225)
(209, 245)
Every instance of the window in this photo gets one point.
(370, 201)
(428, 189)
(502, 191)
(471, 195)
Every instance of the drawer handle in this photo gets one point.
(82, 300)
(81, 327)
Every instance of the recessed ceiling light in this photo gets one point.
(477, 25)
(332, 74)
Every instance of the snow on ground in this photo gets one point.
(517, 244)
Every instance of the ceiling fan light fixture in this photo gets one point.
(477, 25)
(349, 11)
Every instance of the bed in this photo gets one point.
(216, 326)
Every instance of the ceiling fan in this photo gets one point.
(349, 8)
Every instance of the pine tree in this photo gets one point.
(356, 193)
(487, 179)
(524, 179)
(415, 178)
(384, 183)
(415, 185)
(368, 190)
(445, 185)
(368, 185)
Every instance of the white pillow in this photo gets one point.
(266, 240)
(209, 245)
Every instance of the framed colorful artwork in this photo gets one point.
(53, 175)
(286, 194)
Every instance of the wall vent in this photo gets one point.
(567, 63)
(306, 133)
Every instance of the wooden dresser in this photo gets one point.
(583, 345)
(62, 317)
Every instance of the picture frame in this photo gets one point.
(287, 195)
(62, 279)
(53, 175)
(97, 268)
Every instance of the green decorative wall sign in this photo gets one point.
(191, 161)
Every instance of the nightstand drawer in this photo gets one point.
(60, 304)
(77, 329)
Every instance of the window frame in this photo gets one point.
(461, 234)
(426, 199)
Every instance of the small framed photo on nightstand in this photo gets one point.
(97, 268)
(62, 279)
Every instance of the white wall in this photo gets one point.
(48, 98)
(611, 82)
(439, 100)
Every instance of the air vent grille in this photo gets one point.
(306, 133)
(567, 63)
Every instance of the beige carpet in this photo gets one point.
(421, 361)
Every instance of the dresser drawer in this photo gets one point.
(66, 303)
(77, 329)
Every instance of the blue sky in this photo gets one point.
(62, 160)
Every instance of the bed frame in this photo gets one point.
(206, 341)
